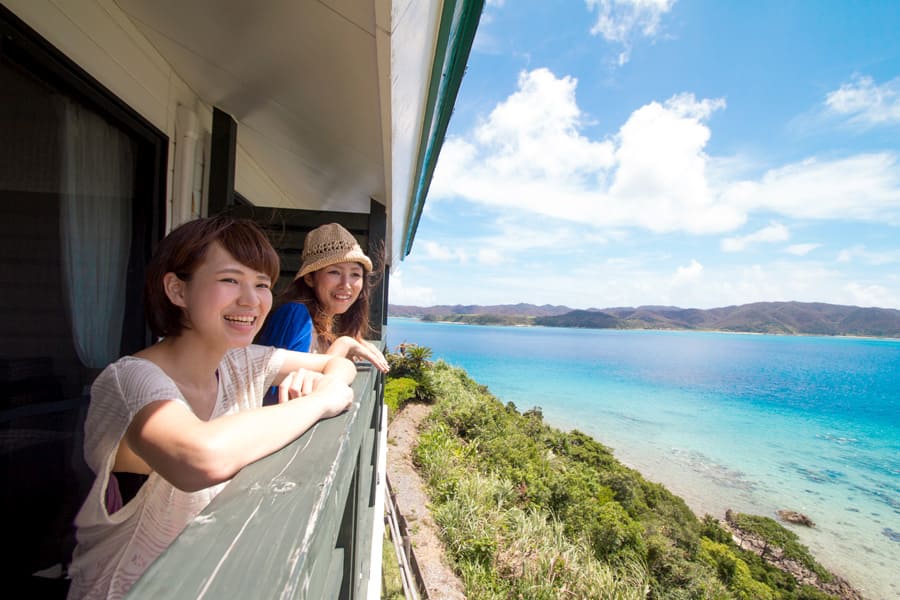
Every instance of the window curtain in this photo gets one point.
(97, 188)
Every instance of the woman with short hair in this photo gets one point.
(186, 413)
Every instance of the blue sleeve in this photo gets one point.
(288, 327)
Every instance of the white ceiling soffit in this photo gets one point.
(300, 77)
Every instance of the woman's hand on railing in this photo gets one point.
(333, 393)
(336, 396)
(359, 350)
(298, 383)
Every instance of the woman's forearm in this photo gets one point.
(340, 367)
(194, 454)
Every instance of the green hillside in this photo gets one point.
(529, 511)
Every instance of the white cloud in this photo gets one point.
(400, 293)
(863, 187)
(865, 103)
(513, 235)
(848, 254)
(438, 252)
(661, 182)
(535, 131)
(775, 282)
(774, 232)
(801, 249)
(689, 274)
(622, 21)
(491, 256)
(651, 279)
(529, 155)
(869, 295)
(859, 253)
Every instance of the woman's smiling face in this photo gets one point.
(337, 286)
(226, 300)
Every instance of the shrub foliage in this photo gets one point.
(528, 511)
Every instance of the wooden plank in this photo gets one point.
(347, 536)
(272, 532)
(331, 583)
(363, 533)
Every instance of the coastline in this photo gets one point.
(704, 493)
(659, 330)
(430, 555)
(790, 462)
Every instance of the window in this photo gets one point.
(81, 205)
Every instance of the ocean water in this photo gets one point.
(755, 423)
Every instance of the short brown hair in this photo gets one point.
(183, 250)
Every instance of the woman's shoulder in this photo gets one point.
(291, 309)
(288, 327)
(132, 381)
(130, 368)
(131, 365)
(291, 313)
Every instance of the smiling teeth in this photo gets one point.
(247, 320)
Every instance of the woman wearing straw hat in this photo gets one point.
(326, 307)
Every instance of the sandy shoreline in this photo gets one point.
(695, 490)
(706, 497)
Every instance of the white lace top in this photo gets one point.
(114, 549)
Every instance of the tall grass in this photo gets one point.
(501, 550)
(529, 512)
(506, 552)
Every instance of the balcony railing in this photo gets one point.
(304, 522)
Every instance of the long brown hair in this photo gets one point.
(353, 323)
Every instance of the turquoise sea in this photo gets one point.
(755, 423)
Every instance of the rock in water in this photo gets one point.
(791, 516)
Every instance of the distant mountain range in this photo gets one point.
(793, 318)
(517, 310)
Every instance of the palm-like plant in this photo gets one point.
(418, 357)
(412, 361)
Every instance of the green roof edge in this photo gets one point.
(459, 21)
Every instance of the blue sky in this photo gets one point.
(671, 152)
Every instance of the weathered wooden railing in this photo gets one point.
(305, 522)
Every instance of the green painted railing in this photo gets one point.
(300, 523)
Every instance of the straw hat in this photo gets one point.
(330, 244)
